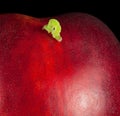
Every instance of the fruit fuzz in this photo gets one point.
(79, 76)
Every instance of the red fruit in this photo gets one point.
(39, 76)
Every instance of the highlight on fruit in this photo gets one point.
(54, 28)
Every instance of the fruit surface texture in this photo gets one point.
(39, 76)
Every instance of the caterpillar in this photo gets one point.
(54, 28)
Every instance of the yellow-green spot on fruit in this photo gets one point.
(54, 28)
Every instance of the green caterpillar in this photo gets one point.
(54, 28)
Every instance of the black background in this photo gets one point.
(107, 11)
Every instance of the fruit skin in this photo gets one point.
(42, 77)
